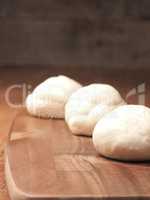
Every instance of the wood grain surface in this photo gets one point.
(123, 80)
(46, 161)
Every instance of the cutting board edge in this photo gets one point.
(17, 194)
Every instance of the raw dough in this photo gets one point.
(124, 133)
(89, 104)
(49, 98)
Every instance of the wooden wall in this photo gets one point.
(101, 33)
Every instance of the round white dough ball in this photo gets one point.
(49, 98)
(89, 104)
(124, 134)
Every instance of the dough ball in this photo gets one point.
(89, 104)
(49, 98)
(124, 134)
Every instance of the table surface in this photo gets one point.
(127, 82)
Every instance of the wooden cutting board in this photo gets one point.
(45, 161)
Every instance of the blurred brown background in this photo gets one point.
(77, 33)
